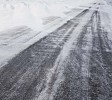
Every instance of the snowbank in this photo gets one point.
(22, 13)
(31, 12)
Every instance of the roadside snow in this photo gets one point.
(30, 14)
(106, 17)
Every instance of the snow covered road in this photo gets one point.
(71, 63)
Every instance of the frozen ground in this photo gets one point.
(70, 59)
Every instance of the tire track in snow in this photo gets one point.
(100, 65)
(76, 72)
(25, 75)
(57, 76)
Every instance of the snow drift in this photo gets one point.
(31, 12)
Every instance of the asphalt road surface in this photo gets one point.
(72, 63)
